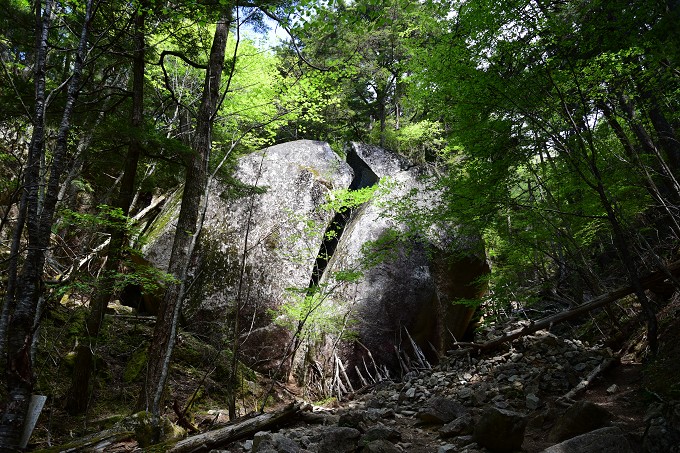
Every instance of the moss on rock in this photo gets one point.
(135, 365)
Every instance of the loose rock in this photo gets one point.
(500, 430)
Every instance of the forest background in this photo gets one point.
(551, 127)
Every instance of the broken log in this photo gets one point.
(607, 298)
(239, 430)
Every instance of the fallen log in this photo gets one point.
(568, 398)
(607, 298)
(239, 430)
(94, 442)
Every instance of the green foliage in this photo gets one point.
(343, 200)
(106, 218)
(533, 158)
(385, 248)
(136, 271)
(422, 141)
(308, 313)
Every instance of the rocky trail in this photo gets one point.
(544, 393)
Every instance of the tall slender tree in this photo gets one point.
(79, 392)
(186, 234)
(39, 201)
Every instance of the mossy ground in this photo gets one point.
(199, 371)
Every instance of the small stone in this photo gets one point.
(612, 389)
(465, 393)
(411, 393)
(533, 402)
(460, 426)
(339, 440)
(380, 446)
(580, 366)
(380, 432)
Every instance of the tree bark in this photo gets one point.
(162, 343)
(39, 220)
(78, 395)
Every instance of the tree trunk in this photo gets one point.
(648, 145)
(668, 138)
(39, 220)
(162, 343)
(78, 395)
(240, 430)
(621, 244)
(633, 154)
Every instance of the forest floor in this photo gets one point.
(545, 364)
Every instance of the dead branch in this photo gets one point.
(549, 321)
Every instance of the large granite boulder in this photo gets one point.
(283, 226)
(410, 280)
(409, 289)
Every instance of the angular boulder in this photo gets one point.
(336, 439)
(440, 410)
(274, 206)
(581, 417)
(500, 430)
(407, 295)
(603, 440)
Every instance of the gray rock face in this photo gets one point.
(604, 440)
(411, 291)
(281, 247)
(500, 430)
(417, 279)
